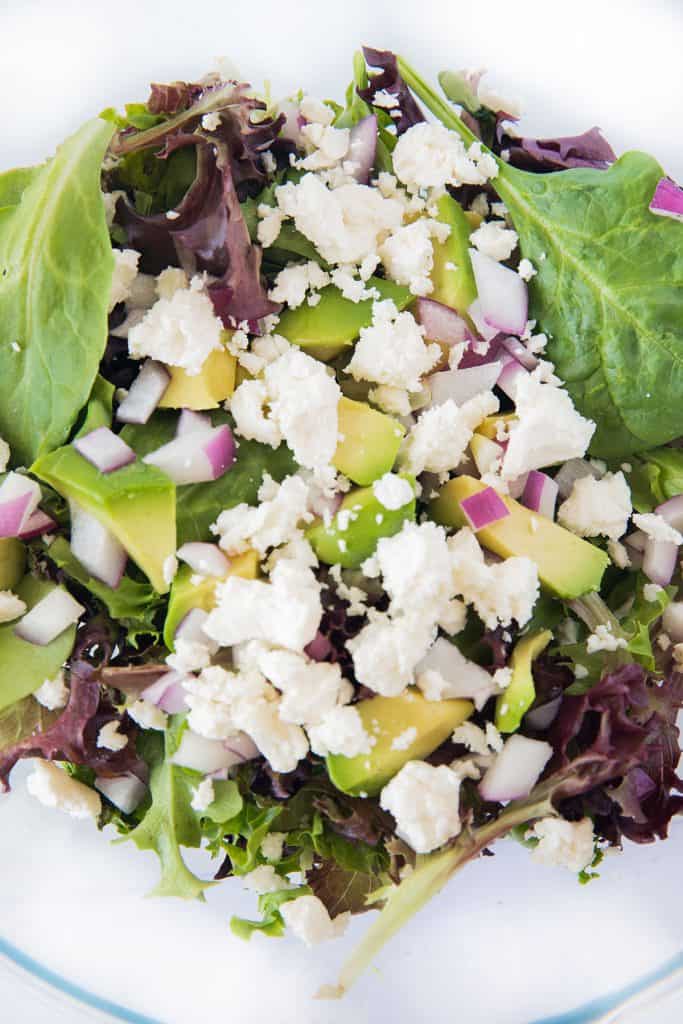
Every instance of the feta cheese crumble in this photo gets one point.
(307, 918)
(264, 879)
(181, 330)
(408, 255)
(603, 639)
(203, 796)
(297, 280)
(125, 272)
(656, 527)
(567, 844)
(425, 802)
(501, 592)
(54, 788)
(393, 350)
(274, 521)
(392, 491)
(494, 239)
(53, 693)
(429, 156)
(548, 429)
(109, 737)
(341, 731)
(597, 507)
(438, 441)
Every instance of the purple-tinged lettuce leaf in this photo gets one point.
(174, 97)
(590, 149)
(389, 80)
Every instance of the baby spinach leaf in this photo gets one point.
(608, 289)
(24, 666)
(655, 477)
(55, 273)
(198, 505)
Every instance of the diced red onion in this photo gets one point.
(570, 472)
(672, 511)
(667, 200)
(672, 621)
(516, 769)
(476, 315)
(363, 148)
(242, 746)
(125, 791)
(636, 540)
(659, 560)
(208, 756)
(484, 508)
(490, 352)
(465, 678)
(540, 493)
(516, 486)
(19, 497)
(38, 523)
(461, 385)
(502, 294)
(104, 449)
(191, 460)
(145, 393)
(204, 558)
(319, 647)
(191, 422)
(519, 351)
(96, 547)
(509, 377)
(441, 323)
(168, 693)
(294, 121)
(191, 630)
(49, 618)
(543, 716)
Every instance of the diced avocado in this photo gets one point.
(567, 565)
(137, 503)
(354, 531)
(388, 719)
(370, 444)
(186, 595)
(206, 390)
(512, 705)
(12, 562)
(334, 323)
(489, 426)
(452, 274)
(24, 666)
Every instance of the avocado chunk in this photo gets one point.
(12, 562)
(137, 503)
(186, 595)
(207, 389)
(24, 666)
(326, 329)
(361, 520)
(567, 565)
(370, 442)
(452, 274)
(388, 719)
(489, 426)
(512, 705)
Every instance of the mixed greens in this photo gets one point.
(339, 520)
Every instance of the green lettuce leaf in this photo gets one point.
(56, 263)
(22, 719)
(655, 477)
(98, 411)
(271, 922)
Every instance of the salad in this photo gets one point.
(342, 491)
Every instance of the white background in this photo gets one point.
(493, 940)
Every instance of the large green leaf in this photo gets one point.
(56, 266)
(24, 666)
(608, 289)
(199, 505)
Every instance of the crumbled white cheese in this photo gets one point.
(110, 738)
(392, 491)
(430, 156)
(478, 740)
(408, 256)
(11, 606)
(526, 270)
(125, 271)
(203, 796)
(217, 697)
(495, 240)
(4, 455)
(211, 121)
(283, 744)
(270, 224)
(404, 739)
(345, 224)
(395, 401)
(597, 507)
(53, 693)
(393, 350)
(170, 281)
(248, 406)
(189, 656)
(439, 439)
(310, 689)
(296, 280)
(307, 918)
(603, 639)
(387, 649)
(386, 100)
(180, 331)
(54, 788)
(619, 554)
(651, 591)
(548, 429)
(315, 111)
(285, 612)
(272, 845)
(351, 286)
(567, 844)
(274, 521)
(501, 592)
(656, 527)
(340, 731)
(301, 393)
(265, 878)
(416, 570)
(325, 146)
(425, 801)
(147, 716)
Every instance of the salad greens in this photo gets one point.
(342, 688)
